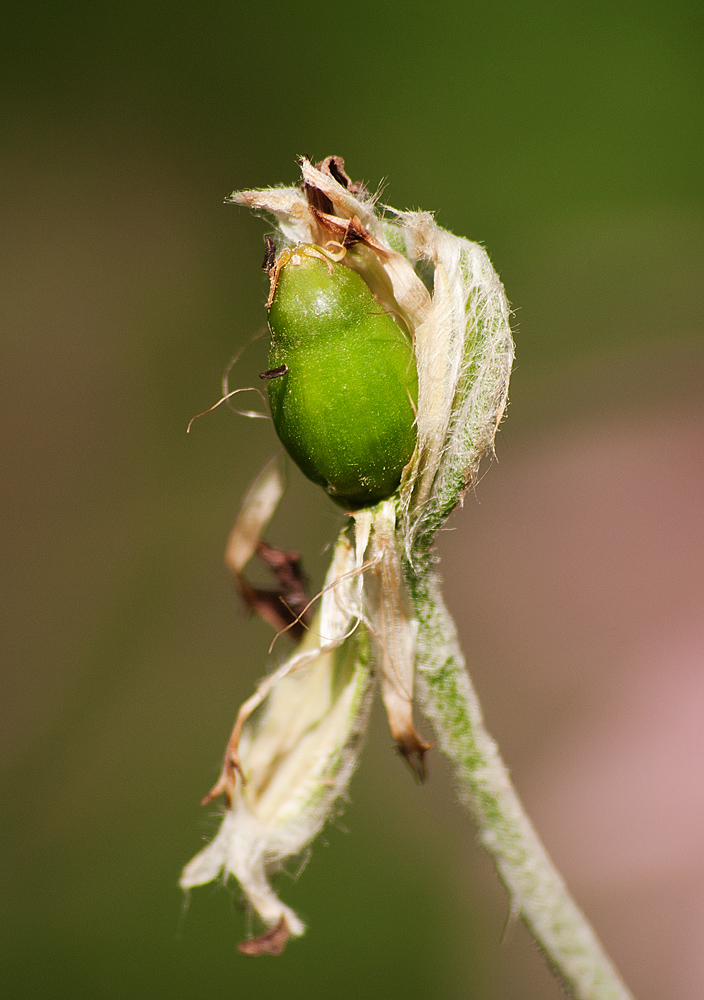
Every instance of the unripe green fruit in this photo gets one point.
(345, 407)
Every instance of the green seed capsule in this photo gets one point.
(344, 406)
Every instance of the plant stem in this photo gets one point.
(535, 887)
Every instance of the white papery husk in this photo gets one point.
(299, 755)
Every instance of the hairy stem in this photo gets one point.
(536, 889)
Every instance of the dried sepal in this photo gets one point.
(464, 353)
(285, 606)
(351, 221)
(298, 754)
(258, 508)
(271, 942)
(392, 627)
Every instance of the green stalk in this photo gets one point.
(537, 892)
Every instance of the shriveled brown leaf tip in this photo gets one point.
(271, 942)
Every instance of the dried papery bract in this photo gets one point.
(289, 764)
(392, 627)
(296, 758)
(464, 352)
(257, 510)
(285, 607)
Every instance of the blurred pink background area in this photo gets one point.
(576, 575)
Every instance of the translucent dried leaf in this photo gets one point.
(298, 755)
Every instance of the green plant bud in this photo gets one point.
(344, 406)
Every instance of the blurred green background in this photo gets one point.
(566, 138)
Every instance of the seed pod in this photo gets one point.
(344, 406)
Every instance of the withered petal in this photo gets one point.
(271, 942)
